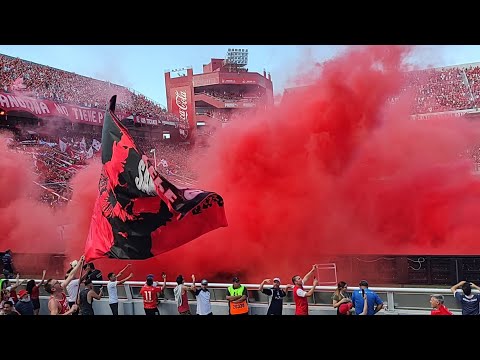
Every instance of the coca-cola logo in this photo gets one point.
(182, 103)
(181, 100)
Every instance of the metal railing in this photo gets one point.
(397, 300)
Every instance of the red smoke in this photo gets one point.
(27, 226)
(336, 169)
(31, 227)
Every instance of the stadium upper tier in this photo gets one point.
(444, 89)
(438, 90)
(435, 90)
(45, 82)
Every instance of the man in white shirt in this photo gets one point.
(72, 290)
(204, 307)
(112, 288)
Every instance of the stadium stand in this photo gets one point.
(434, 90)
(45, 82)
(445, 89)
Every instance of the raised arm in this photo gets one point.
(475, 286)
(312, 290)
(191, 288)
(126, 279)
(455, 287)
(73, 272)
(307, 275)
(365, 305)
(43, 278)
(17, 282)
(120, 273)
(288, 286)
(263, 283)
(164, 276)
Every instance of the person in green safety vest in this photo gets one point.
(237, 297)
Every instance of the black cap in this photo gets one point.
(236, 279)
(363, 283)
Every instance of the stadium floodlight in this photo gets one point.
(237, 57)
(179, 72)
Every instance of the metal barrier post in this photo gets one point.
(128, 307)
(390, 301)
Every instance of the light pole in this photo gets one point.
(154, 158)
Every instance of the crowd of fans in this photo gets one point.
(435, 90)
(438, 90)
(61, 86)
(55, 166)
(171, 158)
(239, 96)
(76, 294)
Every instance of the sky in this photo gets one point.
(142, 67)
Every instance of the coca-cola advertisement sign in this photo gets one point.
(182, 106)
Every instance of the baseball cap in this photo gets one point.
(22, 293)
(204, 282)
(276, 279)
(345, 308)
(235, 279)
(363, 283)
(150, 276)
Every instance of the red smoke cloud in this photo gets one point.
(32, 227)
(26, 225)
(336, 169)
(79, 211)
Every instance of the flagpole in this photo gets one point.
(79, 283)
(154, 157)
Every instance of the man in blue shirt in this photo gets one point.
(470, 302)
(375, 304)
(277, 294)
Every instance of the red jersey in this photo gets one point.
(301, 303)
(442, 310)
(35, 293)
(62, 304)
(150, 296)
(13, 294)
(184, 307)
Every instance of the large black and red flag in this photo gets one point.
(138, 213)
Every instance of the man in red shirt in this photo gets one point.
(437, 304)
(58, 303)
(299, 295)
(150, 295)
